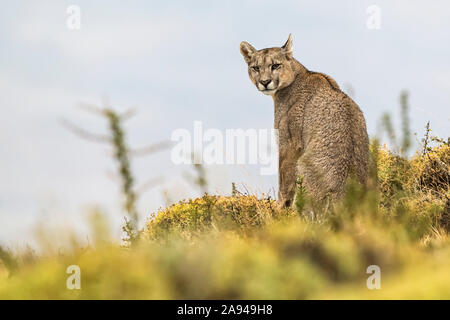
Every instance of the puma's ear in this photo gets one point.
(287, 47)
(247, 51)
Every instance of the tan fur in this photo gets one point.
(322, 132)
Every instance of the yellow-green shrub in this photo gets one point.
(240, 213)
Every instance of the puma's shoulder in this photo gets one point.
(322, 78)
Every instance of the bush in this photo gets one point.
(194, 216)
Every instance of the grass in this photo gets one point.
(248, 247)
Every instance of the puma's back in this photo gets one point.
(322, 132)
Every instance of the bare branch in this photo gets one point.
(128, 114)
(149, 184)
(83, 133)
(91, 109)
(151, 149)
(113, 176)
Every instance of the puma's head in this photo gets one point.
(269, 69)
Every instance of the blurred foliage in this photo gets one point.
(403, 145)
(121, 155)
(248, 247)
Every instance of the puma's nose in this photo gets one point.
(265, 82)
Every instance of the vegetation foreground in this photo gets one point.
(247, 247)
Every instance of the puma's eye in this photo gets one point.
(255, 68)
(276, 66)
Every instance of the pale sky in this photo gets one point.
(177, 63)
